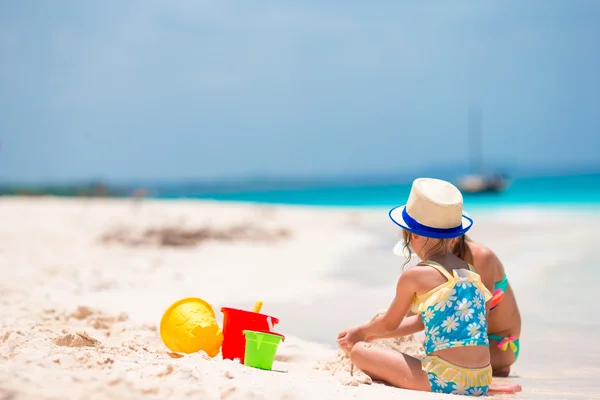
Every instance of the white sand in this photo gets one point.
(78, 317)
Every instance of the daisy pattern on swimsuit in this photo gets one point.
(441, 382)
(482, 319)
(473, 330)
(440, 342)
(428, 314)
(464, 310)
(433, 332)
(463, 283)
(446, 299)
(450, 324)
(478, 292)
(454, 315)
(460, 389)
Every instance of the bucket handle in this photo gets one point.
(259, 341)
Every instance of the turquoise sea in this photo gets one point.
(581, 190)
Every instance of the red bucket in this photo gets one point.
(235, 322)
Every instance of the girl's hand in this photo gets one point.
(348, 338)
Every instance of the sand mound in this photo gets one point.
(79, 339)
(96, 318)
(341, 366)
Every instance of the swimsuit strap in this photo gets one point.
(443, 270)
(439, 267)
(502, 284)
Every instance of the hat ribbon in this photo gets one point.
(412, 223)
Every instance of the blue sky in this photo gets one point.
(145, 89)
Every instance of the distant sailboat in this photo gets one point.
(477, 181)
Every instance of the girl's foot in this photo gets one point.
(505, 388)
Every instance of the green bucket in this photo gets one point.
(261, 348)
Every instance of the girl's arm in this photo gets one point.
(488, 264)
(409, 325)
(390, 321)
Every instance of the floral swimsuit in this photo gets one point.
(454, 316)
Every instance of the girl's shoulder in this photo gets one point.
(481, 252)
(424, 277)
(485, 258)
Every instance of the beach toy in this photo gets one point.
(189, 325)
(261, 348)
(257, 307)
(234, 323)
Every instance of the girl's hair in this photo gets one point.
(442, 243)
(461, 248)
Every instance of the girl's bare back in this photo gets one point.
(505, 319)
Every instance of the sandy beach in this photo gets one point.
(79, 314)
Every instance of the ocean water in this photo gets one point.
(582, 190)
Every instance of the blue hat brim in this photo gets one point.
(396, 215)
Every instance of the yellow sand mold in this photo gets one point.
(189, 325)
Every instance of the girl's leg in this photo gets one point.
(501, 360)
(401, 370)
(502, 372)
(387, 365)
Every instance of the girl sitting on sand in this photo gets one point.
(504, 319)
(450, 301)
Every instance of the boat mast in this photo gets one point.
(475, 143)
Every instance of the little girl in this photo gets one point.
(449, 301)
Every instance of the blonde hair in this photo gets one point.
(461, 248)
(441, 244)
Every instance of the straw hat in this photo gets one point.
(434, 209)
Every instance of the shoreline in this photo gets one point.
(576, 206)
(562, 206)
